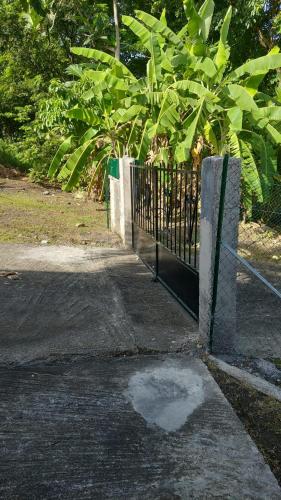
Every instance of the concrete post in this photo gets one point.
(125, 201)
(225, 316)
(115, 204)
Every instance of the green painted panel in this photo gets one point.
(113, 167)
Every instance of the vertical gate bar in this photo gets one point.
(142, 198)
(185, 219)
(176, 204)
(156, 223)
(151, 202)
(171, 208)
(145, 201)
(132, 201)
(162, 206)
(137, 195)
(180, 214)
(138, 174)
(193, 219)
(166, 206)
(152, 211)
(139, 199)
(160, 203)
(169, 182)
(196, 220)
(149, 206)
(190, 221)
(148, 199)
(163, 203)
(140, 195)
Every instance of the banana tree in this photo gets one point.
(105, 124)
(189, 103)
(219, 109)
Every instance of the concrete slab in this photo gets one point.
(130, 428)
(85, 301)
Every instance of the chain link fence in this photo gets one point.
(250, 309)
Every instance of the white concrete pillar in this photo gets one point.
(114, 204)
(225, 317)
(125, 201)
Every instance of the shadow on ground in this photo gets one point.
(70, 301)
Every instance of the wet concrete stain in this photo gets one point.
(166, 396)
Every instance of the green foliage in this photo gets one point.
(35, 42)
(63, 149)
(189, 92)
(9, 156)
(176, 84)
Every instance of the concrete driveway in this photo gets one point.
(102, 396)
(68, 301)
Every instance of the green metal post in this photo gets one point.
(218, 247)
(107, 195)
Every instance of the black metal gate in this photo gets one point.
(165, 228)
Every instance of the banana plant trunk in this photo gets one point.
(117, 30)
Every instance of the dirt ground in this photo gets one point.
(260, 243)
(30, 213)
(260, 414)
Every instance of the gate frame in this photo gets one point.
(167, 266)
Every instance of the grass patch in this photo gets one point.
(29, 216)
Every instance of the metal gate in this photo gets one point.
(165, 228)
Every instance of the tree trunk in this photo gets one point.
(117, 30)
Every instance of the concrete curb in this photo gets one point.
(256, 382)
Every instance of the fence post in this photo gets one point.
(125, 201)
(225, 323)
(114, 204)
